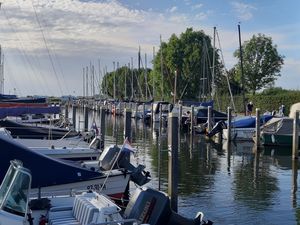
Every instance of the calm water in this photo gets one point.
(229, 184)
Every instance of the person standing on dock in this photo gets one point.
(249, 108)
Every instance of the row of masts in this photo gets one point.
(92, 80)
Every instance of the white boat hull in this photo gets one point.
(115, 186)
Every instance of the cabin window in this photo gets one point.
(6, 183)
(16, 201)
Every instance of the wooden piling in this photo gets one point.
(152, 115)
(180, 116)
(209, 118)
(66, 112)
(136, 110)
(229, 111)
(160, 116)
(295, 135)
(192, 120)
(74, 116)
(86, 118)
(102, 126)
(127, 124)
(173, 160)
(257, 127)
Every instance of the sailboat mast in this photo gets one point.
(242, 70)
(132, 79)
(114, 80)
(153, 81)
(213, 65)
(83, 73)
(162, 71)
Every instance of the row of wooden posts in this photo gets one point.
(174, 121)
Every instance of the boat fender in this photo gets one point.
(43, 220)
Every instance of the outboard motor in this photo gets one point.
(217, 128)
(108, 157)
(153, 207)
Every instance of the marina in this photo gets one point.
(231, 182)
(147, 113)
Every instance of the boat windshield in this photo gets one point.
(14, 190)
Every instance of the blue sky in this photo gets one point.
(47, 43)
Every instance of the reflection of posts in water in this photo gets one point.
(127, 124)
(159, 162)
(74, 116)
(255, 165)
(229, 110)
(295, 135)
(294, 182)
(173, 160)
(257, 128)
(192, 120)
(102, 126)
(228, 149)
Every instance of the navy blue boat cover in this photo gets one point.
(45, 171)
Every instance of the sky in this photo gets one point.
(47, 43)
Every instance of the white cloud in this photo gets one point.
(172, 9)
(197, 6)
(243, 11)
(201, 16)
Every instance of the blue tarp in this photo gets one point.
(249, 122)
(18, 111)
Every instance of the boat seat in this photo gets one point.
(83, 212)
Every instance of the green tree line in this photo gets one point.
(188, 67)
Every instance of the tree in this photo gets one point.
(261, 63)
(190, 55)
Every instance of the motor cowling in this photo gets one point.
(150, 206)
(108, 157)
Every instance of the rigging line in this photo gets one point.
(12, 80)
(22, 50)
(226, 72)
(48, 51)
(36, 60)
(56, 57)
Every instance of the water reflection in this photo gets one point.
(233, 183)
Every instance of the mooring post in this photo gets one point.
(170, 108)
(294, 182)
(180, 116)
(229, 110)
(127, 125)
(173, 160)
(160, 115)
(192, 120)
(136, 110)
(295, 135)
(209, 118)
(66, 112)
(102, 127)
(152, 115)
(257, 127)
(144, 109)
(86, 118)
(74, 116)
